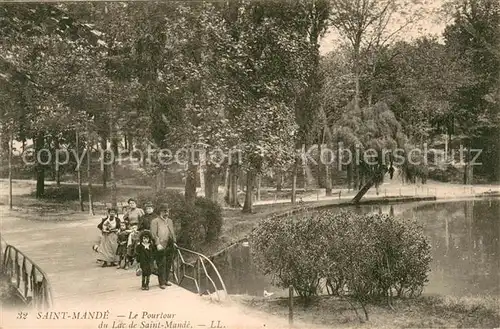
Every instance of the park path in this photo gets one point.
(63, 250)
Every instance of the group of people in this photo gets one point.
(141, 236)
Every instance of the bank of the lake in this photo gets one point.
(422, 312)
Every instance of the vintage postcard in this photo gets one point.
(249, 164)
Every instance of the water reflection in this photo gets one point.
(465, 246)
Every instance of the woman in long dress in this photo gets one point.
(109, 241)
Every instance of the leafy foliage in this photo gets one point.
(212, 217)
(195, 225)
(361, 256)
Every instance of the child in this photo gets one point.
(133, 240)
(121, 251)
(145, 256)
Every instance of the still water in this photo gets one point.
(465, 247)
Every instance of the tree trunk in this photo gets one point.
(112, 166)
(158, 182)
(304, 167)
(227, 185)
(144, 158)
(104, 146)
(247, 207)
(89, 180)
(328, 181)
(203, 176)
(363, 191)
(349, 176)
(468, 168)
(356, 176)
(212, 183)
(2, 141)
(294, 182)
(279, 180)
(130, 143)
(215, 187)
(11, 141)
(125, 142)
(371, 91)
(56, 166)
(209, 182)
(89, 173)
(357, 93)
(233, 186)
(40, 169)
(319, 167)
(242, 180)
(259, 181)
(79, 172)
(190, 187)
(371, 181)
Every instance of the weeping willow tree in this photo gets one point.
(378, 144)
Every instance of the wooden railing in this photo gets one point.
(28, 279)
(199, 270)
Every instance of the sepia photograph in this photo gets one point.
(249, 164)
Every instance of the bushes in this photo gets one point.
(288, 249)
(362, 256)
(194, 225)
(449, 174)
(212, 217)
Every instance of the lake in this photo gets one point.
(465, 247)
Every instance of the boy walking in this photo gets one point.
(162, 230)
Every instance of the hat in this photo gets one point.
(145, 233)
(111, 209)
(148, 204)
(164, 207)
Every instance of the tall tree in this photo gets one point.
(474, 35)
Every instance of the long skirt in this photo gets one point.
(107, 248)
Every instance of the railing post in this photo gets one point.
(34, 292)
(25, 278)
(206, 279)
(290, 305)
(43, 295)
(198, 275)
(2, 262)
(17, 269)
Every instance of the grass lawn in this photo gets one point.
(422, 312)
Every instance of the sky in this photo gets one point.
(430, 25)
